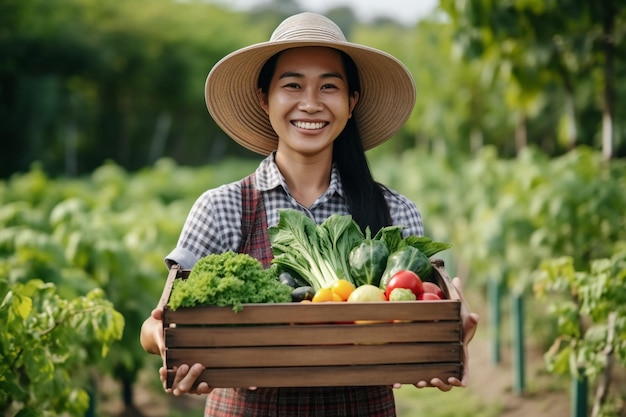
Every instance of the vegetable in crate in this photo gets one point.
(368, 261)
(317, 253)
(402, 294)
(432, 288)
(426, 245)
(407, 280)
(409, 258)
(228, 279)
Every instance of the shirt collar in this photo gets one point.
(268, 177)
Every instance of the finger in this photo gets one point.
(459, 290)
(189, 378)
(455, 382)
(163, 377)
(458, 286)
(181, 372)
(470, 320)
(203, 388)
(397, 385)
(421, 384)
(442, 386)
(157, 313)
(470, 325)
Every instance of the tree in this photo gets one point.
(567, 44)
(89, 81)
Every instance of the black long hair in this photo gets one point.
(364, 196)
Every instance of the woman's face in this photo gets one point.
(308, 101)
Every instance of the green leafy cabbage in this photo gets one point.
(228, 279)
(317, 253)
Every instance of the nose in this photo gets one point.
(310, 101)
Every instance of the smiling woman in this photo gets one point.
(312, 103)
(308, 107)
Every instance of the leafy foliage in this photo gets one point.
(522, 210)
(107, 233)
(506, 217)
(110, 230)
(45, 342)
(590, 309)
(111, 81)
(122, 81)
(557, 56)
(228, 279)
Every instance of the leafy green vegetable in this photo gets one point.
(426, 245)
(391, 236)
(409, 258)
(402, 294)
(321, 254)
(368, 261)
(317, 253)
(228, 279)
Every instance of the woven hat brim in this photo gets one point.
(385, 103)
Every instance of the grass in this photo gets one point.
(413, 402)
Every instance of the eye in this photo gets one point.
(292, 86)
(329, 87)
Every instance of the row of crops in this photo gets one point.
(85, 257)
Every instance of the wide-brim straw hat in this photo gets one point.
(386, 98)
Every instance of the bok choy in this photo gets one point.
(318, 253)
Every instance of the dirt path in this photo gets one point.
(543, 396)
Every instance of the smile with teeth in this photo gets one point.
(309, 125)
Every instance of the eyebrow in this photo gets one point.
(288, 74)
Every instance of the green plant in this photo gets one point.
(590, 309)
(46, 343)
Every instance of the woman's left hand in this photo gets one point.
(470, 324)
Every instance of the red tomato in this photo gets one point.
(429, 296)
(433, 289)
(405, 279)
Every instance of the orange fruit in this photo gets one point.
(342, 288)
(323, 295)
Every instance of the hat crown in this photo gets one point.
(308, 26)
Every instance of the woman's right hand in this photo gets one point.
(153, 341)
(185, 378)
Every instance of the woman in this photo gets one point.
(312, 103)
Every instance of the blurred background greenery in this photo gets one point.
(514, 153)
(84, 82)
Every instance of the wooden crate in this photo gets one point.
(317, 344)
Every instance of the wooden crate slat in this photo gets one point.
(279, 356)
(316, 312)
(325, 376)
(287, 335)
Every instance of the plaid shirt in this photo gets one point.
(377, 401)
(215, 225)
(214, 222)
